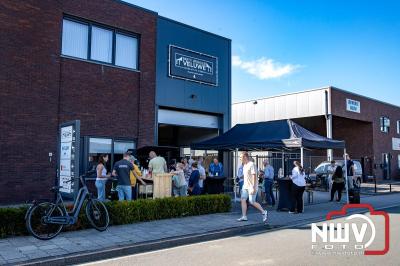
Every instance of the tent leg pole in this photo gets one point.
(302, 156)
(345, 175)
(235, 173)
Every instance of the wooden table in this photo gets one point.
(162, 185)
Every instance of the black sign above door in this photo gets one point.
(194, 66)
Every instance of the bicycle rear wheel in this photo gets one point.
(97, 214)
(36, 221)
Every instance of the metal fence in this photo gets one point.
(284, 161)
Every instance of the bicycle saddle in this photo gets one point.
(55, 188)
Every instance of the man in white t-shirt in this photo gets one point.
(250, 188)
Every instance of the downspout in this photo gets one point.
(328, 118)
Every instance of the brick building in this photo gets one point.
(371, 128)
(101, 62)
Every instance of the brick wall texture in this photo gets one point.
(362, 132)
(39, 89)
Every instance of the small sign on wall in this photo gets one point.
(396, 144)
(353, 106)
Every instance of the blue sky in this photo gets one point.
(286, 46)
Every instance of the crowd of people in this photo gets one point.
(188, 175)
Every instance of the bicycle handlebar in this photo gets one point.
(81, 178)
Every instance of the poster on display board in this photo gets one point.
(68, 158)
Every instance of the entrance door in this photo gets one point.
(386, 165)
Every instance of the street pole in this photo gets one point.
(345, 175)
(236, 169)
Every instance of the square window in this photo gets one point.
(126, 51)
(101, 49)
(74, 39)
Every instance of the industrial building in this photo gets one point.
(370, 128)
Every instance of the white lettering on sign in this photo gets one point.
(353, 106)
(191, 63)
(396, 144)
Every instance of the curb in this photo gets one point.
(131, 249)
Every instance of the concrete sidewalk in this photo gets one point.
(74, 244)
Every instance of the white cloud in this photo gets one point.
(264, 68)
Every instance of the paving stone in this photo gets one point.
(30, 248)
(36, 255)
(48, 247)
(12, 261)
(12, 255)
(56, 252)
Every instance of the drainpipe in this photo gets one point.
(328, 118)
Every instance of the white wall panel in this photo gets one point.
(296, 105)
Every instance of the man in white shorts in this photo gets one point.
(250, 188)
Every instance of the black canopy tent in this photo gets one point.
(272, 135)
(281, 134)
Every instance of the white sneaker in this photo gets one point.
(265, 216)
(292, 212)
(242, 219)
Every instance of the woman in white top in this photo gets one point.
(101, 177)
(298, 187)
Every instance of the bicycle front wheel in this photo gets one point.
(37, 221)
(97, 214)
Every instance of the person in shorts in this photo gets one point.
(250, 188)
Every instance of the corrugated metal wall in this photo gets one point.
(296, 105)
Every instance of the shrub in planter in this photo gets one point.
(12, 220)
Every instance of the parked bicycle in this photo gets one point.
(45, 220)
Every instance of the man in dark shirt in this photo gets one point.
(122, 170)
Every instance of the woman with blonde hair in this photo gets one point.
(298, 186)
(179, 181)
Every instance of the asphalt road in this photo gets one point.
(291, 246)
